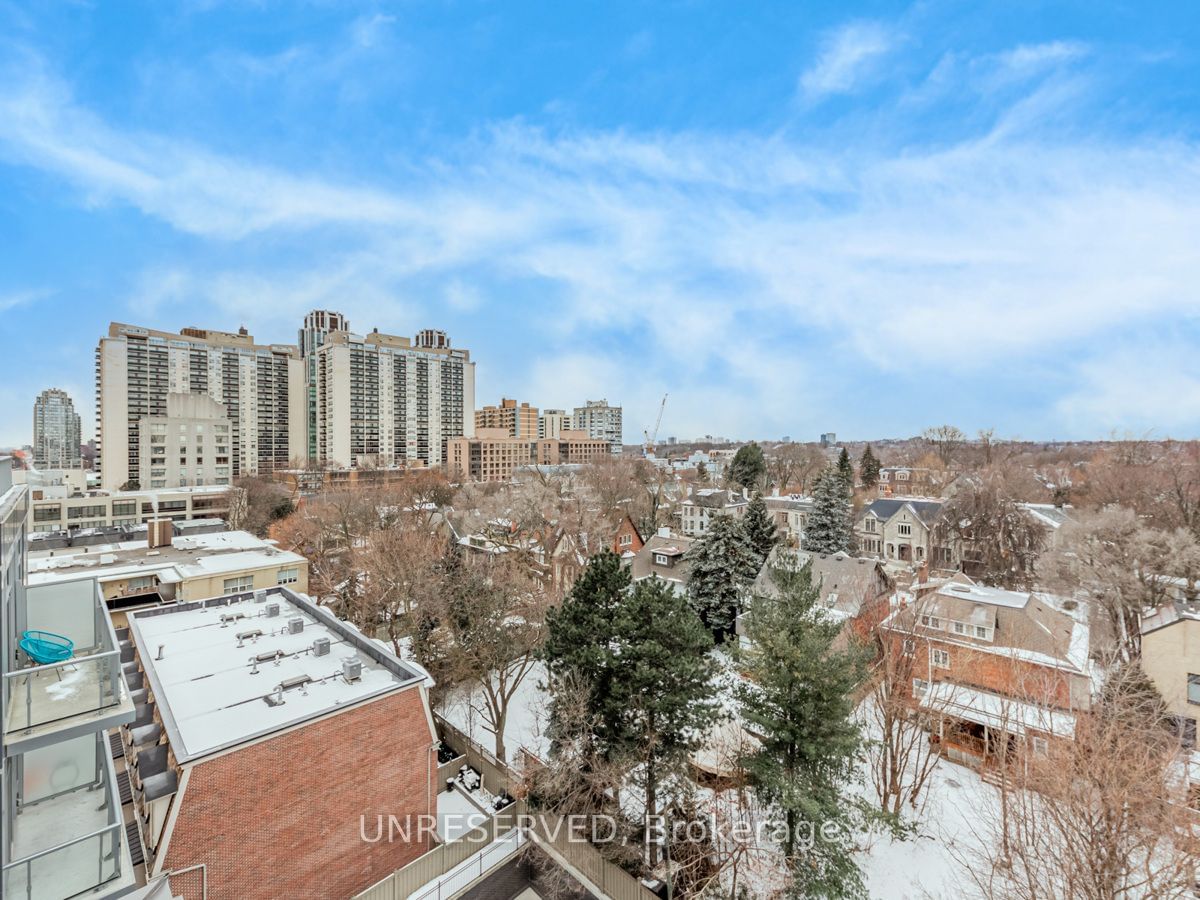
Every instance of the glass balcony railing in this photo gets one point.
(67, 835)
(38, 696)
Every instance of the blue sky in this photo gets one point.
(791, 217)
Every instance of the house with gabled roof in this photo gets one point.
(663, 557)
(997, 673)
(902, 530)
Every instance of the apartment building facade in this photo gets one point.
(318, 324)
(260, 387)
(56, 433)
(62, 824)
(387, 400)
(553, 422)
(600, 421)
(491, 454)
(518, 419)
(51, 511)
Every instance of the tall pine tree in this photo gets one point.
(868, 468)
(799, 699)
(829, 525)
(665, 689)
(641, 655)
(846, 469)
(759, 528)
(749, 467)
(578, 647)
(722, 563)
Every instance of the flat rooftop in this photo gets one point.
(221, 660)
(189, 556)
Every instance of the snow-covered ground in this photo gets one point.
(924, 865)
(528, 713)
(927, 864)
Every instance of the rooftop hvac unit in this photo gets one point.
(295, 626)
(352, 668)
(272, 610)
(260, 596)
(321, 647)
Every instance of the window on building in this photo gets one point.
(238, 584)
(904, 529)
(1040, 746)
(941, 659)
(1185, 729)
(931, 622)
(869, 525)
(626, 540)
(983, 632)
(1194, 689)
(288, 576)
(960, 628)
(910, 646)
(660, 559)
(920, 686)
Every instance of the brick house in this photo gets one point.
(627, 540)
(999, 673)
(266, 729)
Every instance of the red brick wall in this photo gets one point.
(1003, 675)
(281, 818)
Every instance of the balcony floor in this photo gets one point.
(69, 872)
(54, 700)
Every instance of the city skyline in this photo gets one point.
(794, 221)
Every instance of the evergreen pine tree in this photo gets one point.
(722, 562)
(868, 468)
(663, 700)
(641, 653)
(579, 639)
(828, 529)
(749, 467)
(845, 469)
(702, 472)
(799, 699)
(759, 528)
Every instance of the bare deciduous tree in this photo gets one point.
(1101, 817)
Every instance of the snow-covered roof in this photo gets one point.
(216, 672)
(996, 710)
(186, 557)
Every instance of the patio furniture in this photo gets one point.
(45, 647)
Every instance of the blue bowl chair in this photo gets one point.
(45, 647)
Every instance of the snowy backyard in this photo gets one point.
(927, 864)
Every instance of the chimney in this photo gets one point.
(923, 572)
(159, 532)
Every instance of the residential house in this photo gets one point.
(706, 504)
(854, 590)
(902, 531)
(1051, 517)
(1171, 659)
(1000, 673)
(909, 481)
(790, 514)
(663, 557)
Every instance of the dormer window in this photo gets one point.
(660, 559)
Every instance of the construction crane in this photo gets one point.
(651, 439)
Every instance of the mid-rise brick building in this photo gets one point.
(265, 730)
(492, 454)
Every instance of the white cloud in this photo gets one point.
(848, 54)
(747, 271)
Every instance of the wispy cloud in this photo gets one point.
(848, 54)
(724, 266)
